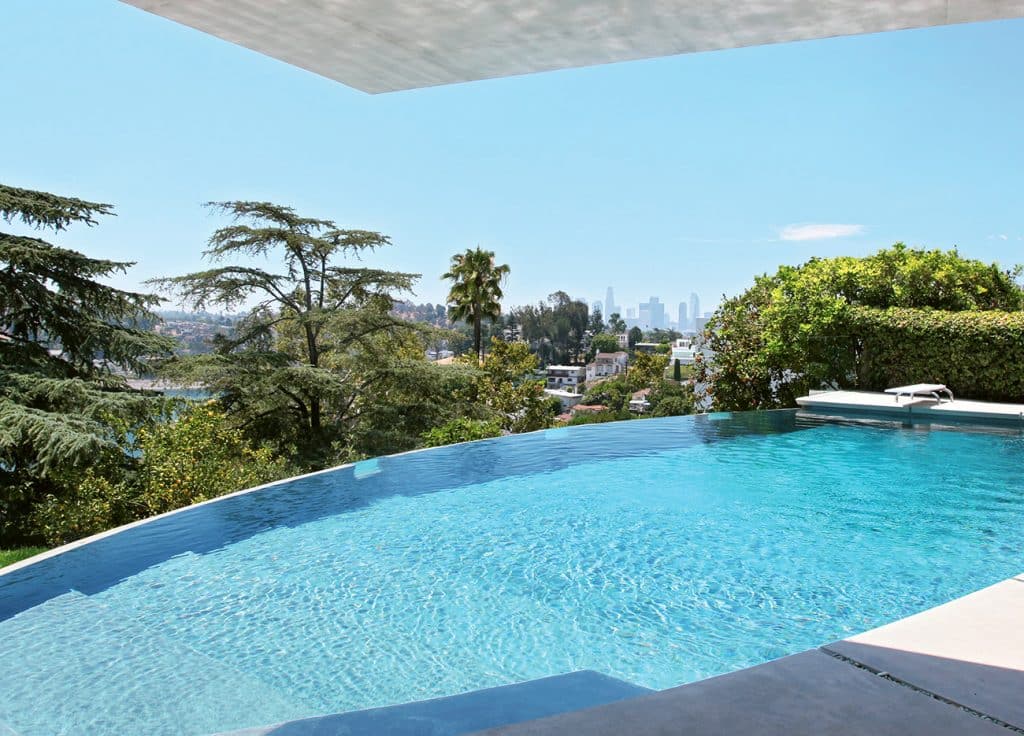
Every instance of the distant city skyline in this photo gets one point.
(653, 313)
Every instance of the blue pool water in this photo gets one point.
(658, 551)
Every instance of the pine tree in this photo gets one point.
(65, 340)
(298, 368)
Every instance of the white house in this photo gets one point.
(569, 399)
(638, 402)
(567, 377)
(684, 351)
(607, 364)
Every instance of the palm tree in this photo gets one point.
(476, 290)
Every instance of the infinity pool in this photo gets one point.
(658, 551)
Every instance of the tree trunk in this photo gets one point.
(478, 341)
(314, 414)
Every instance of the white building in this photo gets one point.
(607, 364)
(569, 399)
(566, 377)
(638, 403)
(684, 351)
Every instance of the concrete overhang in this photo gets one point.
(388, 45)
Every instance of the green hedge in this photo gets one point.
(979, 354)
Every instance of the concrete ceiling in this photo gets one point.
(388, 45)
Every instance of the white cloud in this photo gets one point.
(821, 231)
(1003, 236)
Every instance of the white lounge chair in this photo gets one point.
(931, 390)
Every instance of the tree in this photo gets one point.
(677, 371)
(662, 336)
(66, 339)
(670, 399)
(616, 324)
(462, 429)
(198, 456)
(556, 330)
(311, 342)
(635, 335)
(507, 387)
(792, 331)
(647, 369)
(613, 392)
(476, 293)
(604, 343)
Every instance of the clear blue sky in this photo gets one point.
(661, 177)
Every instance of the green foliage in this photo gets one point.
(92, 505)
(599, 417)
(198, 457)
(670, 399)
(635, 335)
(462, 429)
(673, 407)
(979, 355)
(506, 385)
(613, 392)
(792, 331)
(10, 556)
(667, 398)
(677, 371)
(475, 294)
(646, 370)
(298, 366)
(604, 343)
(409, 398)
(556, 330)
(63, 334)
(662, 336)
(616, 325)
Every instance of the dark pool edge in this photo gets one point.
(956, 668)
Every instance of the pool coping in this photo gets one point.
(956, 668)
(29, 561)
(913, 408)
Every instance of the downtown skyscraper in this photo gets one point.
(610, 307)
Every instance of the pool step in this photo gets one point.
(98, 672)
(465, 713)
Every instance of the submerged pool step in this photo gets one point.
(465, 713)
(100, 673)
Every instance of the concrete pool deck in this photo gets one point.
(954, 669)
(918, 407)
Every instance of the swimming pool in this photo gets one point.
(658, 551)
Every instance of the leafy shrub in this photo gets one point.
(671, 399)
(978, 355)
(199, 457)
(599, 417)
(93, 505)
(195, 458)
(798, 329)
(461, 430)
(673, 406)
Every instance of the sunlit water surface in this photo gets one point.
(660, 552)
